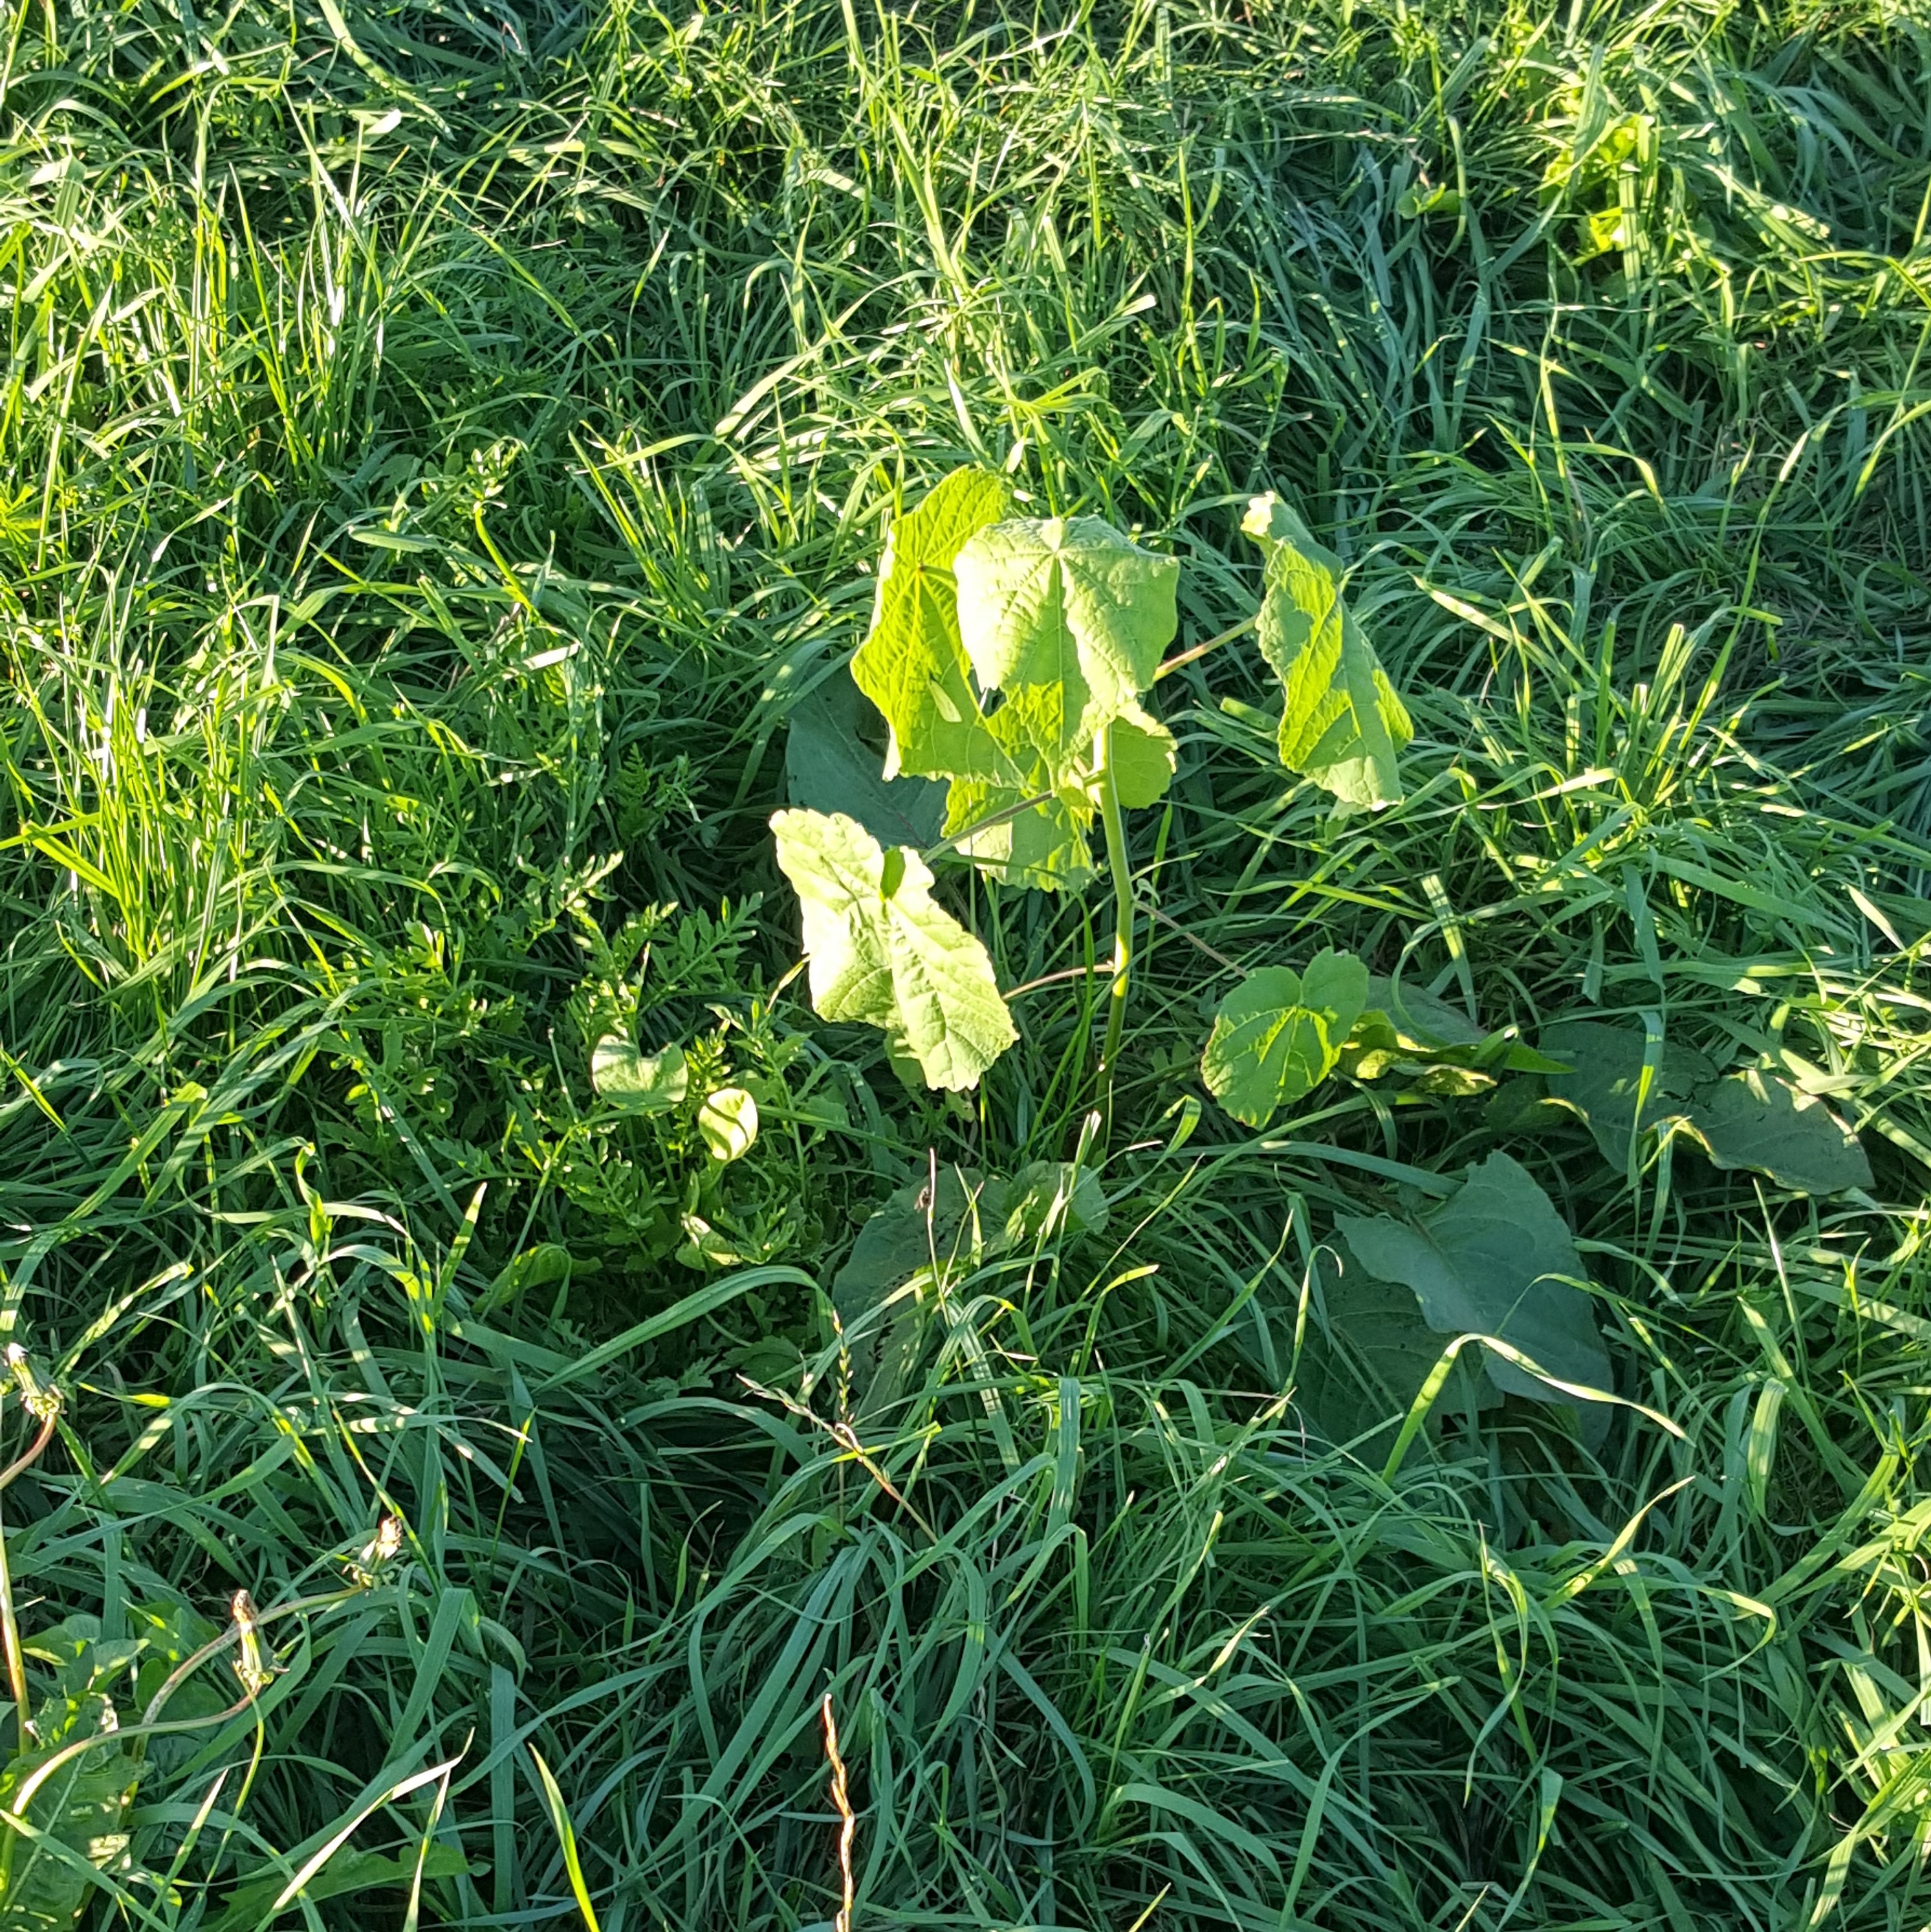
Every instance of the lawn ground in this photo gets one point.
(442, 443)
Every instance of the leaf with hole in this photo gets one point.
(1279, 1033)
(1342, 725)
(1495, 1258)
(882, 952)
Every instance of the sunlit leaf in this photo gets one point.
(1277, 1035)
(912, 664)
(1141, 755)
(728, 1121)
(1069, 616)
(882, 952)
(1342, 723)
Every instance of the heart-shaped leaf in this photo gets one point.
(1495, 1258)
(1279, 1033)
(882, 952)
(1342, 723)
(639, 1082)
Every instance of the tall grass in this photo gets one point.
(440, 443)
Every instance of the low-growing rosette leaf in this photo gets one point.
(1341, 724)
(638, 1082)
(1069, 617)
(1752, 1119)
(881, 952)
(912, 664)
(1362, 1365)
(1604, 1081)
(1279, 1033)
(1495, 1258)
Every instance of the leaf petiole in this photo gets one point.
(1213, 643)
(985, 824)
(1118, 864)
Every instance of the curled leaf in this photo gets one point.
(728, 1121)
(638, 1082)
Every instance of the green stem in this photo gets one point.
(16, 1667)
(1123, 901)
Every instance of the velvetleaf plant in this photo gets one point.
(1011, 657)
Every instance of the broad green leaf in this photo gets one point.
(1754, 1119)
(1418, 1018)
(728, 1121)
(1045, 846)
(882, 953)
(1486, 1261)
(639, 1082)
(1605, 1064)
(82, 1806)
(1141, 755)
(829, 767)
(1279, 1034)
(1342, 723)
(541, 1266)
(1072, 610)
(1044, 1198)
(912, 664)
(1364, 1364)
(1407, 1031)
(883, 1292)
(348, 1871)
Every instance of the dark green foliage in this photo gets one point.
(445, 450)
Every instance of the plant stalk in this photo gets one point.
(16, 1664)
(1122, 922)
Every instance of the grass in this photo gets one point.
(440, 442)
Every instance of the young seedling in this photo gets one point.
(1011, 657)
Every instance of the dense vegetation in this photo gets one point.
(445, 447)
